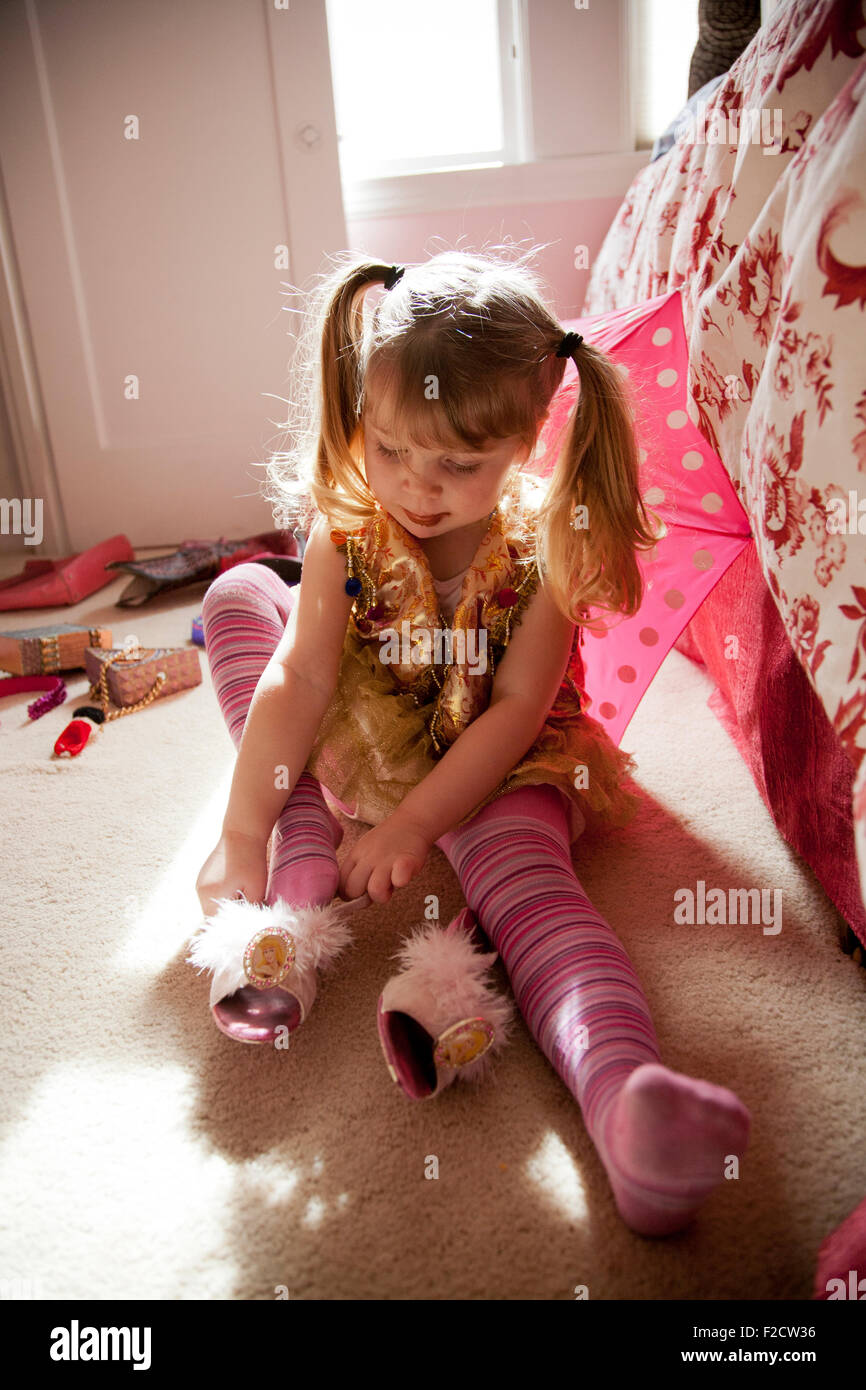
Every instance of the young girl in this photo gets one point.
(427, 673)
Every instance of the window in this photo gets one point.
(470, 102)
(664, 35)
(422, 87)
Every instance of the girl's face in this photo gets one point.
(434, 491)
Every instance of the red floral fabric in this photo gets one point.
(768, 237)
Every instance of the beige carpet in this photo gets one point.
(145, 1156)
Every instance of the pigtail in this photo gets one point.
(342, 331)
(593, 520)
(321, 473)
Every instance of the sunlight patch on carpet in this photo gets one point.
(157, 926)
(123, 1173)
(553, 1170)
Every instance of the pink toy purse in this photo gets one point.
(128, 676)
(130, 679)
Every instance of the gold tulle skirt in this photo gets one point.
(373, 747)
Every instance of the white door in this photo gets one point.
(159, 161)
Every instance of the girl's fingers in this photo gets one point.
(355, 882)
(405, 869)
(380, 880)
(379, 886)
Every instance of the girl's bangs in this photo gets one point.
(466, 419)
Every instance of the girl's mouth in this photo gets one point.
(425, 520)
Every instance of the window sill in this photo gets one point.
(545, 181)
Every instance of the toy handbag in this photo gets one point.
(130, 679)
(128, 676)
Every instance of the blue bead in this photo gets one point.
(353, 587)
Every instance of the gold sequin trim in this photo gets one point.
(500, 625)
(356, 567)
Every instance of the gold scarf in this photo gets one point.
(452, 664)
(389, 722)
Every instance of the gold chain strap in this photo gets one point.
(99, 691)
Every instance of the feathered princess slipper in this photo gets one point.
(440, 1018)
(263, 960)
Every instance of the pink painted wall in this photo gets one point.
(414, 237)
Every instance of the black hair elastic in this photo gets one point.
(394, 274)
(569, 345)
(89, 712)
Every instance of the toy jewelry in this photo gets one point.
(87, 717)
(55, 687)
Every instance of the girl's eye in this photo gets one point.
(458, 467)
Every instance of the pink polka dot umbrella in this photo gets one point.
(683, 481)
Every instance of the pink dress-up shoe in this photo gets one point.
(263, 959)
(55, 583)
(439, 1018)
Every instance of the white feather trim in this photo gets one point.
(320, 934)
(451, 980)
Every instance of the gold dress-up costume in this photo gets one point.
(410, 681)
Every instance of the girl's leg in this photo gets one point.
(663, 1138)
(244, 614)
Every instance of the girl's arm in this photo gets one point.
(292, 694)
(525, 687)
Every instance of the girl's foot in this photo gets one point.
(666, 1141)
(263, 959)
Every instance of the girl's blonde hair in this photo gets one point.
(463, 349)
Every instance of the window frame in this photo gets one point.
(533, 100)
(511, 151)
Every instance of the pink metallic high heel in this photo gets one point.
(439, 1018)
(264, 960)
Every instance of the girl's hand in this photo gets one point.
(387, 857)
(238, 864)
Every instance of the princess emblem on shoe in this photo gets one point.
(264, 958)
(439, 1018)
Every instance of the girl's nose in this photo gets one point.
(421, 479)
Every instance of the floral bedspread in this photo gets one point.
(759, 211)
